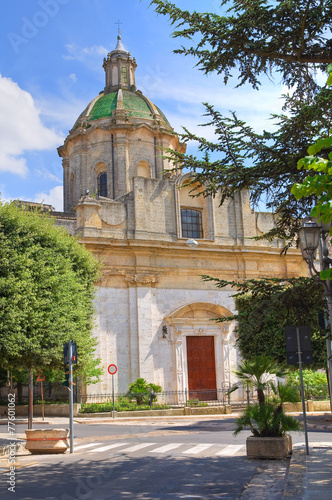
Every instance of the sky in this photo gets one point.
(51, 68)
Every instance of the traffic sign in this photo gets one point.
(41, 378)
(112, 369)
(292, 347)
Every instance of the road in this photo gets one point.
(165, 459)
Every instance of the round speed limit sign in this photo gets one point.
(112, 369)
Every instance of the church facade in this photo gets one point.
(154, 313)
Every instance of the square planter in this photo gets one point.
(277, 448)
(47, 441)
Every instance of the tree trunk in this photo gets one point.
(261, 396)
(19, 388)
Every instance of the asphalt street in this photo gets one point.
(165, 459)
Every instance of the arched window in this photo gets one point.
(102, 184)
(191, 223)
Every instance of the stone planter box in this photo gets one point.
(47, 441)
(275, 448)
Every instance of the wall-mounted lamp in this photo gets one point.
(165, 332)
(191, 243)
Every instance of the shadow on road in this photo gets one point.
(140, 478)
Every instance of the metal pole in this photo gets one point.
(30, 406)
(71, 397)
(325, 264)
(329, 341)
(113, 394)
(42, 398)
(302, 389)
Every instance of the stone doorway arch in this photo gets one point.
(193, 321)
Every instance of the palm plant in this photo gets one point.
(267, 418)
(259, 372)
(141, 390)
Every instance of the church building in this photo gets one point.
(154, 313)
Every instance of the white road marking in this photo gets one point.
(167, 447)
(90, 445)
(108, 447)
(137, 447)
(229, 450)
(197, 449)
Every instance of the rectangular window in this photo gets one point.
(124, 75)
(191, 223)
(102, 184)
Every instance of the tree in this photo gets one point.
(266, 306)
(319, 182)
(254, 39)
(46, 293)
(257, 37)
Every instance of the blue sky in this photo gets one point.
(51, 67)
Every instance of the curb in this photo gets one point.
(4, 449)
(295, 482)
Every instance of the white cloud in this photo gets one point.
(54, 198)
(83, 53)
(73, 77)
(21, 128)
(62, 112)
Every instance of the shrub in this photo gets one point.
(315, 383)
(108, 407)
(142, 391)
(196, 402)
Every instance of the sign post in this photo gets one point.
(298, 345)
(112, 369)
(70, 358)
(41, 379)
(71, 397)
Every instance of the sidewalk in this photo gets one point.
(310, 476)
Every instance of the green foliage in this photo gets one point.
(266, 306)
(253, 39)
(319, 181)
(266, 420)
(310, 377)
(141, 390)
(196, 402)
(257, 38)
(259, 372)
(315, 384)
(285, 393)
(46, 294)
(119, 406)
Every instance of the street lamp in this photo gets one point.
(312, 237)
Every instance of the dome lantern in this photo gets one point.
(119, 69)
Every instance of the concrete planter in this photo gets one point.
(47, 441)
(277, 448)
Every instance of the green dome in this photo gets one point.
(133, 103)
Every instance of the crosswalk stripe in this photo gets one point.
(90, 445)
(229, 450)
(137, 447)
(108, 447)
(167, 447)
(197, 449)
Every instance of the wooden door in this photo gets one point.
(201, 368)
